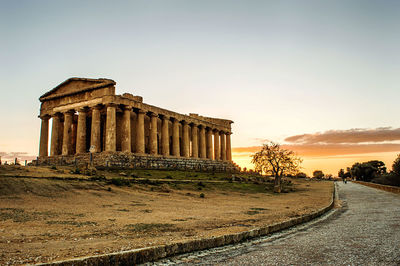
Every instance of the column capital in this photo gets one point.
(45, 117)
(141, 111)
(153, 114)
(69, 112)
(165, 117)
(127, 107)
(97, 107)
(83, 109)
(111, 105)
(194, 124)
(228, 133)
(184, 122)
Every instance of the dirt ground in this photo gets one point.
(44, 220)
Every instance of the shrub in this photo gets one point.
(390, 179)
(120, 182)
(202, 195)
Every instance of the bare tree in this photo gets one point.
(276, 161)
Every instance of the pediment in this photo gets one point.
(76, 85)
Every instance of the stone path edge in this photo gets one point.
(379, 186)
(148, 254)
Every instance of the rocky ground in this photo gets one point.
(47, 219)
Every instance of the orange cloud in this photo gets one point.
(348, 136)
(312, 150)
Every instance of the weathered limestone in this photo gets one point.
(175, 138)
(66, 144)
(140, 144)
(111, 128)
(95, 141)
(217, 148)
(228, 147)
(185, 139)
(126, 130)
(153, 133)
(44, 136)
(165, 136)
(195, 141)
(81, 132)
(118, 124)
(209, 144)
(203, 153)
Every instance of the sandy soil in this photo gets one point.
(45, 220)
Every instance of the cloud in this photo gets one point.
(358, 135)
(316, 150)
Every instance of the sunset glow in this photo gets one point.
(321, 78)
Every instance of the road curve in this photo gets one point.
(365, 231)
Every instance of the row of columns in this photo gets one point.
(201, 136)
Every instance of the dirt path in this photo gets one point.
(364, 232)
(46, 220)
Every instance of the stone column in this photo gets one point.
(228, 147)
(217, 148)
(140, 145)
(209, 146)
(111, 128)
(195, 141)
(66, 143)
(165, 136)
(44, 136)
(223, 146)
(175, 138)
(55, 139)
(126, 130)
(95, 141)
(185, 140)
(153, 133)
(203, 150)
(81, 132)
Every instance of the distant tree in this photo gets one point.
(341, 173)
(329, 176)
(368, 170)
(318, 174)
(396, 165)
(274, 160)
(301, 175)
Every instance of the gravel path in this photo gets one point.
(365, 231)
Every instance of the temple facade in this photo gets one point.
(87, 117)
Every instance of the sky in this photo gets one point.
(311, 75)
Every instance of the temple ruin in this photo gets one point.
(88, 118)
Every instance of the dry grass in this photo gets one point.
(45, 219)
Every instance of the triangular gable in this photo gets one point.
(76, 85)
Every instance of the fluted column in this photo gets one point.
(203, 150)
(185, 140)
(175, 138)
(66, 142)
(126, 130)
(140, 144)
(44, 136)
(223, 146)
(153, 133)
(95, 141)
(217, 148)
(111, 128)
(228, 147)
(209, 144)
(81, 132)
(55, 135)
(195, 141)
(165, 136)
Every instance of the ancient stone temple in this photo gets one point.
(87, 117)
